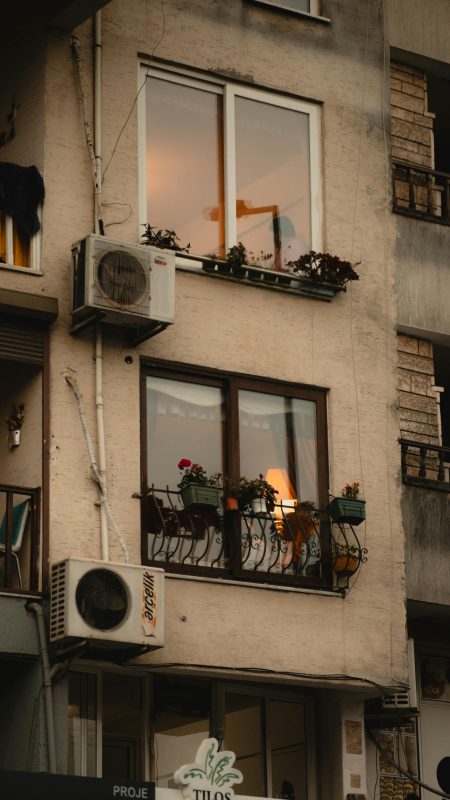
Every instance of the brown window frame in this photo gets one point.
(231, 383)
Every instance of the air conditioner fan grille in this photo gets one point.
(122, 277)
(102, 599)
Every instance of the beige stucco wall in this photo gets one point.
(347, 346)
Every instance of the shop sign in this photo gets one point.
(23, 785)
(212, 774)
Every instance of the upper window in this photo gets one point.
(248, 163)
(238, 426)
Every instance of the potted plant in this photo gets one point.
(348, 508)
(257, 493)
(14, 423)
(346, 559)
(323, 269)
(196, 487)
(163, 238)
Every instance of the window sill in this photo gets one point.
(26, 270)
(261, 278)
(296, 12)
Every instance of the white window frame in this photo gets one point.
(314, 8)
(34, 245)
(230, 91)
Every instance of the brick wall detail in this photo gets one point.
(417, 400)
(411, 122)
(412, 137)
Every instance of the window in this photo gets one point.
(238, 426)
(15, 248)
(107, 726)
(114, 730)
(270, 732)
(248, 162)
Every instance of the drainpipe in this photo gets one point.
(99, 228)
(47, 680)
(101, 438)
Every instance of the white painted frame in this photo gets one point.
(34, 248)
(313, 11)
(230, 91)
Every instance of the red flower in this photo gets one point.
(184, 463)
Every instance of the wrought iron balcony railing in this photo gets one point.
(19, 538)
(426, 465)
(288, 546)
(421, 192)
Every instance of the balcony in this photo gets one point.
(425, 465)
(19, 539)
(289, 546)
(421, 192)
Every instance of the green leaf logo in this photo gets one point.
(211, 769)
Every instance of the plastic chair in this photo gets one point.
(20, 514)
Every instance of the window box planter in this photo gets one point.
(315, 288)
(347, 510)
(194, 494)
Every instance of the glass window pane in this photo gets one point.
(82, 714)
(262, 439)
(184, 420)
(180, 722)
(288, 750)
(122, 727)
(244, 735)
(296, 5)
(305, 428)
(185, 164)
(272, 180)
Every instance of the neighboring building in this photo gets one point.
(238, 122)
(420, 90)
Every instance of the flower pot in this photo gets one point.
(259, 506)
(194, 494)
(347, 510)
(14, 438)
(345, 561)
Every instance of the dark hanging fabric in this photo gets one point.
(21, 192)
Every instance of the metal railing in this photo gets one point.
(421, 192)
(289, 545)
(19, 538)
(426, 465)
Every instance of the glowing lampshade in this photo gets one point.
(279, 479)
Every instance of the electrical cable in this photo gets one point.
(267, 671)
(404, 772)
(138, 93)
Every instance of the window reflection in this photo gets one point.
(122, 727)
(82, 714)
(185, 163)
(272, 179)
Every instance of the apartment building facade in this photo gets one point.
(250, 123)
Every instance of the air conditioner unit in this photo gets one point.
(117, 604)
(405, 699)
(129, 284)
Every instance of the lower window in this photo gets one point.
(270, 731)
(238, 426)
